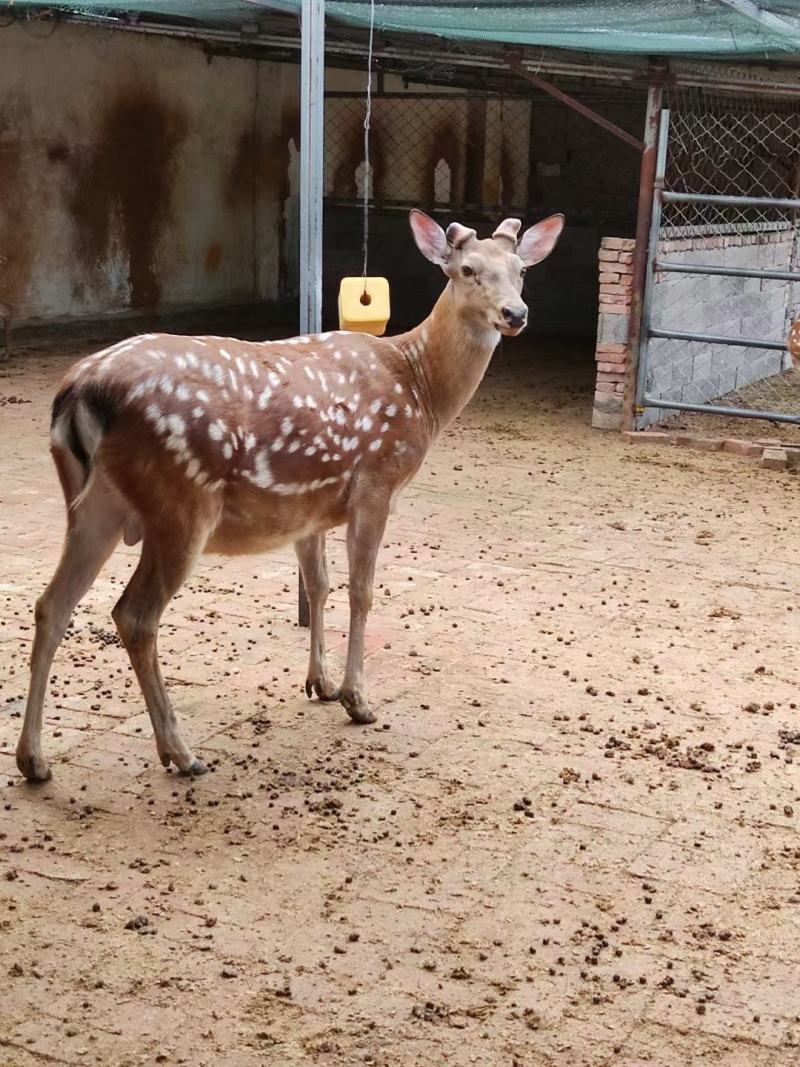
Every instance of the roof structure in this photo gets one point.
(735, 29)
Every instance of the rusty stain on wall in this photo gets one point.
(344, 178)
(213, 257)
(121, 187)
(446, 145)
(16, 230)
(276, 162)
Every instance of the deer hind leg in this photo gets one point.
(165, 563)
(93, 531)
(314, 568)
(364, 533)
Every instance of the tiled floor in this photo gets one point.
(571, 838)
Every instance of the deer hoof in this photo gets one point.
(196, 769)
(357, 710)
(34, 768)
(325, 690)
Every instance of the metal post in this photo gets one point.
(312, 117)
(652, 252)
(646, 185)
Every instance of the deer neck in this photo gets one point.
(449, 357)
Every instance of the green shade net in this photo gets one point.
(730, 28)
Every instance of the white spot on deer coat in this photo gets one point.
(375, 445)
(264, 396)
(390, 410)
(262, 477)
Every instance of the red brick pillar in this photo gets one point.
(616, 275)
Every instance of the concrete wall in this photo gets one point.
(139, 174)
(694, 373)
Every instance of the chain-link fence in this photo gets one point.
(459, 151)
(742, 254)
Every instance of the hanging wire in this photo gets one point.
(367, 120)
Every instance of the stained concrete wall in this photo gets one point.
(139, 174)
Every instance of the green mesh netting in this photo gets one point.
(675, 27)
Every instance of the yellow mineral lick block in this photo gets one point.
(364, 305)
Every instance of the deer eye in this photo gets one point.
(467, 271)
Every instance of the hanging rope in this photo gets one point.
(367, 120)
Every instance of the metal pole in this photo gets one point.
(647, 175)
(652, 250)
(312, 117)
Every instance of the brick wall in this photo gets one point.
(693, 373)
(616, 274)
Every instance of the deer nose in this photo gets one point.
(516, 317)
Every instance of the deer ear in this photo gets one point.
(430, 237)
(539, 241)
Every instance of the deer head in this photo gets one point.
(486, 276)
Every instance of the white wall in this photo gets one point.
(138, 173)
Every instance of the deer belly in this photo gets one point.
(272, 525)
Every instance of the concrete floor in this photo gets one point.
(571, 838)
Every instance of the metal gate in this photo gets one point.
(722, 276)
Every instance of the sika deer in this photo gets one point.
(206, 444)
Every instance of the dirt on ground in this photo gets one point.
(570, 839)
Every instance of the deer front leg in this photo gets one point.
(364, 533)
(313, 565)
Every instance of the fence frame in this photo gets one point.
(655, 265)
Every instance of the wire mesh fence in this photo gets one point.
(455, 151)
(728, 146)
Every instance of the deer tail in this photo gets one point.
(81, 416)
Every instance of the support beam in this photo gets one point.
(647, 177)
(312, 118)
(610, 127)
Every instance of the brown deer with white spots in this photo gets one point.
(208, 444)
(793, 342)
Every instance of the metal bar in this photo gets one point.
(312, 116)
(356, 50)
(712, 409)
(718, 339)
(312, 84)
(652, 249)
(611, 127)
(730, 201)
(668, 267)
(644, 213)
